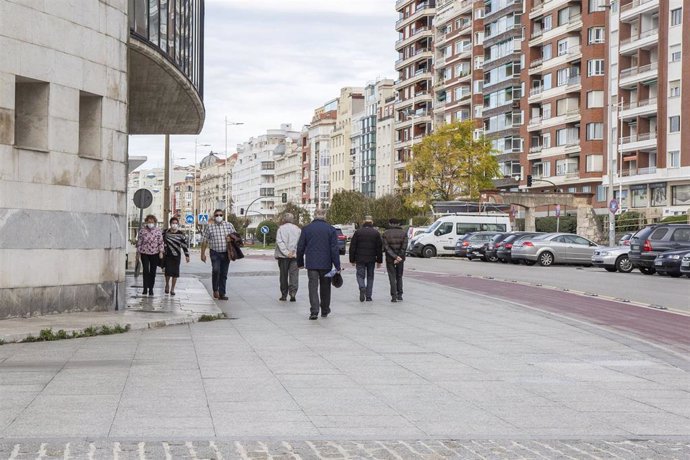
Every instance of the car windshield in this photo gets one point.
(433, 227)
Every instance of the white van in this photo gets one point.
(440, 238)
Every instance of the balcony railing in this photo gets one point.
(638, 171)
(637, 104)
(421, 7)
(645, 34)
(631, 71)
(638, 138)
(634, 4)
(413, 54)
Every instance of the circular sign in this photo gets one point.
(189, 219)
(143, 198)
(613, 206)
(264, 229)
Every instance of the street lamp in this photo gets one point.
(227, 160)
(196, 182)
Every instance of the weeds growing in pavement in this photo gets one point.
(207, 318)
(48, 335)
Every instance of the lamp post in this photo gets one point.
(227, 160)
(196, 182)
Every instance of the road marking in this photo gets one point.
(216, 451)
(15, 452)
(66, 455)
(116, 451)
(42, 451)
(241, 450)
(166, 449)
(192, 451)
(142, 451)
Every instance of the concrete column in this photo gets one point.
(530, 220)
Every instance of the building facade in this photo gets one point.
(350, 105)
(385, 148)
(320, 130)
(289, 171)
(214, 184)
(75, 79)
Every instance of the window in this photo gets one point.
(595, 163)
(595, 99)
(595, 131)
(674, 88)
(673, 160)
(676, 16)
(562, 46)
(596, 5)
(657, 194)
(546, 52)
(680, 195)
(640, 197)
(90, 113)
(601, 193)
(596, 35)
(595, 67)
(674, 124)
(675, 53)
(31, 114)
(563, 75)
(548, 23)
(546, 141)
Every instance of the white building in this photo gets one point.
(320, 131)
(253, 176)
(288, 172)
(215, 183)
(385, 148)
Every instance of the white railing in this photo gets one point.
(637, 104)
(635, 4)
(631, 71)
(648, 33)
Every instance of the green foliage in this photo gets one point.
(389, 206)
(239, 222)
(568, 224)
(302, 216)
(421, 221)
(348, 207)
(451, 164)
(48, 335)
(682, 219)
(208, 318)
(272, 230)
(630, 221)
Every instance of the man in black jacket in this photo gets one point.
(365, 252)
(395, 246)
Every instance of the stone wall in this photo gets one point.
(62, 183)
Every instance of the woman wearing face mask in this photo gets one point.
(175, 245)
(150, 248)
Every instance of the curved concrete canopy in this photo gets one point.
(161, 99)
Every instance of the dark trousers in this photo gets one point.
(365, 277)
(149, 264)
(219, 275)
(319, 284)
(395, 277)
(289, 276)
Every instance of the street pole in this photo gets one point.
(227, 161)
(196, 183)
(166, 183)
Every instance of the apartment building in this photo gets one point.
(350, 105)
(319, 147)
(288, 161)
(649, 145)
(413, 109)
(215, 183)
(385, 147)
(253, 175)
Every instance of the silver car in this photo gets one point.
(613, 258)
(554, 248)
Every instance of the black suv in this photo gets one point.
(651, 241)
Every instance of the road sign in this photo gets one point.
(143, 198)
(203, 219)
(558, 210)
(264, 229)
(189, 219)
(613, 206)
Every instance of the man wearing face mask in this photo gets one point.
(215, 238)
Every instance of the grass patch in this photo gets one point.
(207, 318)
(48, 335)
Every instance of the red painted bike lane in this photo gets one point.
(656, 326)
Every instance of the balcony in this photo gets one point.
(539, 123)
(633, 9)
(645, 141)
(646, 39)
(544, 6)
(639, 171)
(419, 75)
(414, 57)
(634, 75)
(415, 35)
(539, 65)
(420, 9)
(574, 23)
(639, 108)
(166, 70)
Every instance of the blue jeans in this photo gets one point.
(219, 263)
(365, 277)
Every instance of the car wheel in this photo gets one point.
(623, 264)
(470, 258)
(492, 259)
(529, 263)
(546, 259)
(648, 270)
(515, 262)
(610, 269)
(674, 274)
(428, 252)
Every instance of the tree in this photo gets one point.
(384, 208)
(302, 216)
(451, 164)
(272, 230)
(348, 208)
(239, 222)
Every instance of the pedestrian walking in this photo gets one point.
(216, 240)
(318, 243)
(287, 238)
(394, 246)
(150, 249)
(366, 253)
(175, 244)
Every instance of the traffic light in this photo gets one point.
(529, 180)
(284, 197)
(241, 211)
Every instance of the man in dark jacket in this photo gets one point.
(366, 252)
(395, 245)
(319, 244)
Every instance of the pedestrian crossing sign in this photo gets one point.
(203, 219)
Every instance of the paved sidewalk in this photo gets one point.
(142, 312)
(444, 364)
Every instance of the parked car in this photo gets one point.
(685, 266)
(613, 259)
(504, 248)
(491, 248)
(472, 245)
(555, 248)
(625, 239)
(653, 240)
(669, 262)
(413, 232)
(342, 241)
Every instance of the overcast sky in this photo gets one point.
(274, 61)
